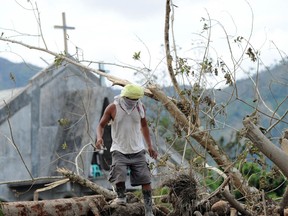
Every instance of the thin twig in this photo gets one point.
(76, 158)
(49, 187)
(264, 202)
(14, 143)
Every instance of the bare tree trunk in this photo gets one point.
(72, 206)
(275, 154)
(169, 58)
(80, 206)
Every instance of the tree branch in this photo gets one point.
(169, 58)
(207, 142)
(275, 154)
(235, 203)
(86, 183)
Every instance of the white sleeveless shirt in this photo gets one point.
(126, 131)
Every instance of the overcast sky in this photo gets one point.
(112, 30)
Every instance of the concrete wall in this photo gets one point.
(63, 92)
(11, 165)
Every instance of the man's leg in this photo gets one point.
(121, 196)
(121, 190)
(147, 196)
(117, 176)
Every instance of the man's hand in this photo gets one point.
(99, 143)
(152, 153)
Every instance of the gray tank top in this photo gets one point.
(126, 131)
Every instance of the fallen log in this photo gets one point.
(72, 206)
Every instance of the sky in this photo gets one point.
(112, 31)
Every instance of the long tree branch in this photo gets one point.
(15, 145)
(67, 59)
(207, 142)
(169, 58)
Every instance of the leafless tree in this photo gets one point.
(196, 113)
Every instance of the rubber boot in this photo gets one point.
(147, 195)
(121, 196)
(120, 190)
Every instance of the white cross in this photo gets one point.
(64, 27)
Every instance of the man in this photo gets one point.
(129, 127)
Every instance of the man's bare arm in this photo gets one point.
(107, 116)
(146, 135)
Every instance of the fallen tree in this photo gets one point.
(97, 205)
(73, 206)
(88, 205)
(185, 110)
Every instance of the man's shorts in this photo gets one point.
(139, 171)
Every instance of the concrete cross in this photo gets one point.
(64, 27)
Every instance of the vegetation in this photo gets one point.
(198, 122)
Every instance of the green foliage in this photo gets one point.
(254, 167)
(252, 55)
(165, 122)
(164, 191)
(136, 55)
(59, 59)
(159, 193)
(64, 122)
(64, 146)
(138, 193)
(183, 66)
(213, 180)
(271, 181)
(207, 66)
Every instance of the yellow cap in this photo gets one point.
(132, 91)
